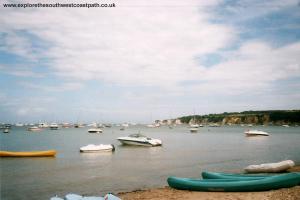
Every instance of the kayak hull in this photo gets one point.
(230, 185)
(28, 153)
(218, 175)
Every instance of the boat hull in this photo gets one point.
(230, 185)
(27, 153)
(216, 175)
(135, 143)
(254, 134)
(97, 149)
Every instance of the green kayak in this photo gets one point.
(233, 185)
(218, 175)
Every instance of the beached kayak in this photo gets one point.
(270, 167)
(219, 175)
(27, 153)
(231, 185)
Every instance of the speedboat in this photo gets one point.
(43, 125)
(194, 126)
(256, 133)
(193, 130)
(19, 124)
(53, 126)
(95, 130)
(66, 125)
(33, 128)
(97, 148)
(6, 130)
(139, 140)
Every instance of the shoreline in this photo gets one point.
(166, 193)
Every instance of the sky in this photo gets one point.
(146, 60)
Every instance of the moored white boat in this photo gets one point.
(19, 124)
(33, 128)
(97, 148)
(256, 133)
(66, 125)
(43, 125)
(95, 130)
(139, 140)
(6, 130)
(125, 125)
(193, 130)
(53, 126)
(194, 125)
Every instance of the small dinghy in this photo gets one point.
(270, 167)
(250, 133)
(193, 130)
(230, 185)
(27, 153)
(95, 130)
(97, 148)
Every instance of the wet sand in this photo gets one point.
(169, 193)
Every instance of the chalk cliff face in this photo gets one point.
(248, 119)
(275, 117)
(237, 119)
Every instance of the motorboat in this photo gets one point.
(194, 126)
(100, 126)
(193, 130)
(256, 133)
(53, 126)
(33, 128)
(95, 130)
(97, 148)
(43, 125)
(214, 125)
(139, 140)
(107, 125)
(78, 125)
(6, 130)
(19, 124)
(125, 124)
(66, 125)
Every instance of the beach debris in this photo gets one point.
(270, 167)
(79, 197)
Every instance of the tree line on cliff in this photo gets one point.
(275, 117)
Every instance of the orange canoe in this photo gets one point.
(27, 153)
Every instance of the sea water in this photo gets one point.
(129, 168)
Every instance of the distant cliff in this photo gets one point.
(275, 117)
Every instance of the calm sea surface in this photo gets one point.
(128, 168)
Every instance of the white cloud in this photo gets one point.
(67, 86)
(143, 43)
(252, 68)
(20, 71)
(125, 45)
(243, 10)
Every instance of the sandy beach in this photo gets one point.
(169, 193)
